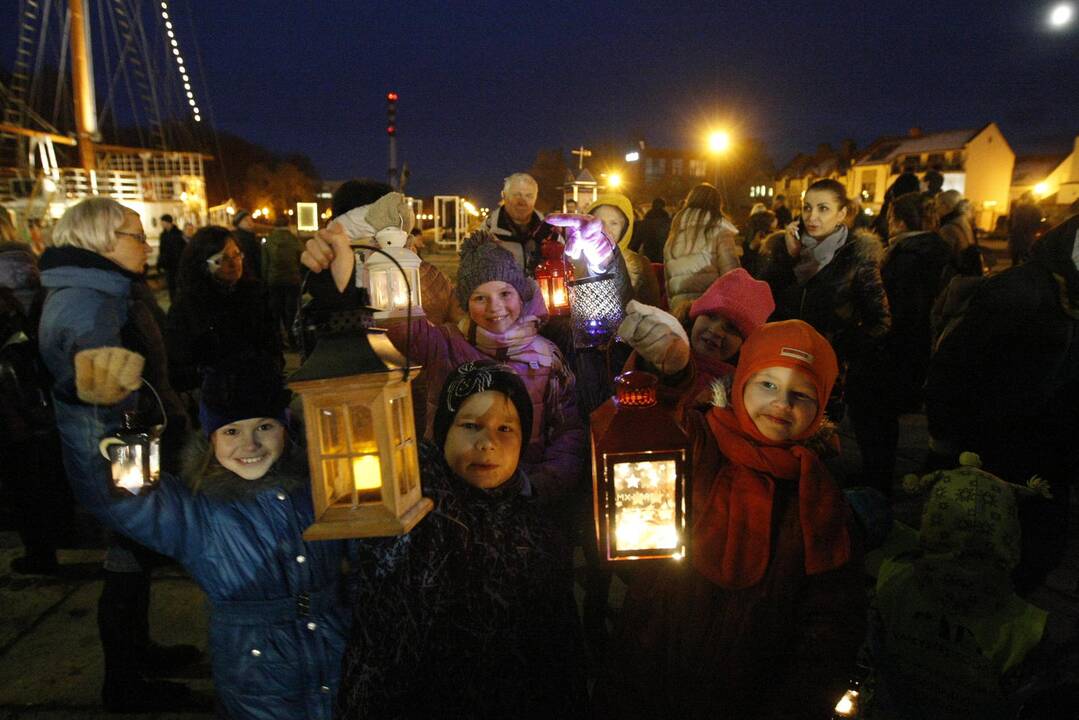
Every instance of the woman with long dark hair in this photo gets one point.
(219, 313)
(700, 246)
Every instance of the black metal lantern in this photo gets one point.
(134, 454)
(595, 309)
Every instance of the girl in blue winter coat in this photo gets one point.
(235, 521)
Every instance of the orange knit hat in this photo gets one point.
(793, 344)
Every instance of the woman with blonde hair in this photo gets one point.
(700, 246)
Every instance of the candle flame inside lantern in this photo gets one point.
(366, 472)
(645, 505)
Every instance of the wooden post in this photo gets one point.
(83, 86)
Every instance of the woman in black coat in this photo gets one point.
(822, 272)
(219, 313)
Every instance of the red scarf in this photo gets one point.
(732, 530)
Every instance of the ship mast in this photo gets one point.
(83, 84)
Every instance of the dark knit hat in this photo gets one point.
(244, 387)
(483, 259)
(166, 218)
(476, 376)
(240, 215)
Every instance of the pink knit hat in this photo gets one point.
(738, 297)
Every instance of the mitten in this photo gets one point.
(391, 210)
(656, 336)
(107, 375)
(585, 236)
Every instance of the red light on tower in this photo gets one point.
(391, 97)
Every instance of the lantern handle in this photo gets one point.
(408, 312)
(160, 405)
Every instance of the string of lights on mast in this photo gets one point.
(175, 46)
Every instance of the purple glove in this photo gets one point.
(584, 235)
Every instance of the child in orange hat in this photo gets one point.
(767, 617)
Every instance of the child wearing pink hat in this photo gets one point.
(702, 346)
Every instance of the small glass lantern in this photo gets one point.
(595, 309)
(388, 291)
(640, 469)
(361, 437)
(134, 454)
(552, 275)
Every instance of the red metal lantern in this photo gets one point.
(640, 469)
(552, 275)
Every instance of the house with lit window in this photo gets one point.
(978, 162)
(1048, 179)
(804, 170)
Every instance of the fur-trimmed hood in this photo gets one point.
(204, 474)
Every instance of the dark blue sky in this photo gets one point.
(484, 85)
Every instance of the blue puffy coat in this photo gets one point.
(277, 624)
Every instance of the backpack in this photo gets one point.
(25, 398)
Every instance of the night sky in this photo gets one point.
(483, 86)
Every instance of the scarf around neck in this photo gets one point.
(732, 531)
(521, 343)
(816, 254)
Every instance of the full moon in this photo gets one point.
(1061, 15)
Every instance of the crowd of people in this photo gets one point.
(762, 340)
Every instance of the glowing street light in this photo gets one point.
(1041, 189)
(1061, 15)
(719, 141)
(614, 181)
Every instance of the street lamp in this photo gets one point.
(719, 142)
(1061, 15)
(614, 181)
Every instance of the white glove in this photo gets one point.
(656, 336)
(107, 375)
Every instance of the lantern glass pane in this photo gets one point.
(558, 292)
(380, 293)
(338, 479)
(645, 504)
(127, 470)
(332, 431)
(361, 430)
(155, 459)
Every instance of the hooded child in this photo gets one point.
(949, 635)
(234, 520)
(765, 617)
(471, 615)
(616, 213)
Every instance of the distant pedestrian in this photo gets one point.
(571, 206)
(281, 276)
(244, 232)
(934, 181)
(783, 213)
(1023, 225)
(651, 232)
(759, 226)
(189, 231)
(957, 227)
(700, 246)
(170, 246)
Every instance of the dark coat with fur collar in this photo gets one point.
(845, 301)
(277, 621)
(469, 616)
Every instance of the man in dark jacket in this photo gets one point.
(651, 233)
(783, 213)
(1005, 383)
(170, 246)
(516, 224)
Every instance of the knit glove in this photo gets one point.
(585, 236)
(107, 375)
(656, 336)
(391, 210)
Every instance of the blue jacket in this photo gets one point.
(277, 621)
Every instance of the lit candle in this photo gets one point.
(366, 472)
(130, 478)
(559, 297)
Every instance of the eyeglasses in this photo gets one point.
(139, 237)
(216, 261)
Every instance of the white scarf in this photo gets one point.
(816, 254)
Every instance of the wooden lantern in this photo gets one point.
(552, 275)
(640, 470)
(361, 437)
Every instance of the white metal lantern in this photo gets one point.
(388, 286)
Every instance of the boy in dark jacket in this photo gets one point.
(470, 615)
